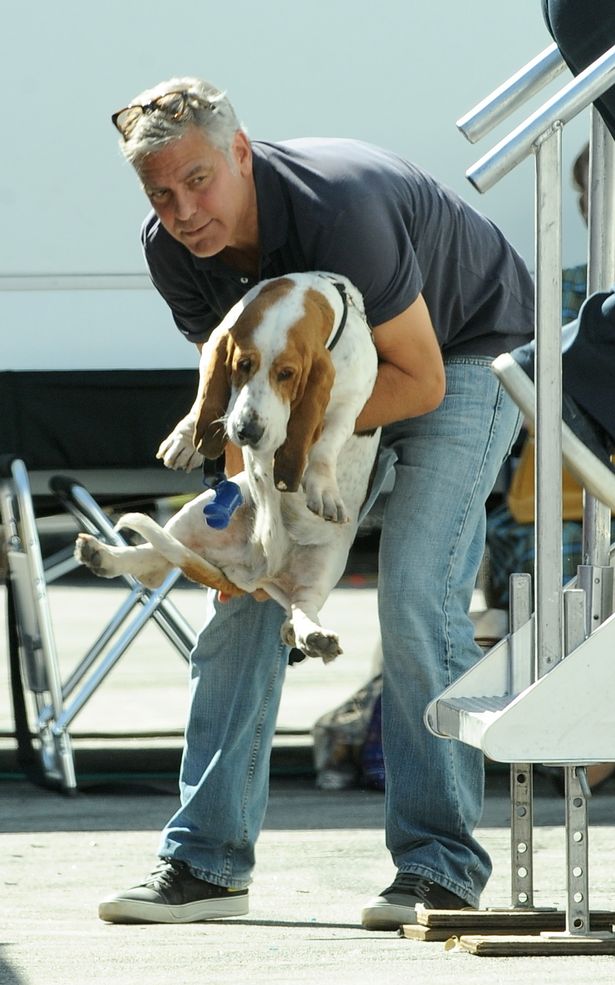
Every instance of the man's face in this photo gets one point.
(200, 199)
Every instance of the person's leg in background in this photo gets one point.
(432, 544)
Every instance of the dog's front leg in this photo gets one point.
(177, 451)
(319, 482)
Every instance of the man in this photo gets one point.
(445, 293)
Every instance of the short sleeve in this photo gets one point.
(370, 244)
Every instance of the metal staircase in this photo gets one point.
(544, 694)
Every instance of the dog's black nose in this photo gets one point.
(250, 433)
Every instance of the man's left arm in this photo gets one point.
(411, 379)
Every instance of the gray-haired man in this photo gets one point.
(445, 293)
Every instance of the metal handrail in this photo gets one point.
(562, 619)
(557, 111)
(504, 100)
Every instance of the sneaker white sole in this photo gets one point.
(118, 910)
(380, 915)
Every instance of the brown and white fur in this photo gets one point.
(269, 383)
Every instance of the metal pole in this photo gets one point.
(561, 108)
(504, 100)
(548, 599)
(521, 774)
(57, 757)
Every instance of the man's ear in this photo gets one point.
(213, 396)
(305, 425)
(242, 153)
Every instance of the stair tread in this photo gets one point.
(479, 702)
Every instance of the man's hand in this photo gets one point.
(178, 451)
(260, 595)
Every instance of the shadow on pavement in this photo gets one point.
(145, 804)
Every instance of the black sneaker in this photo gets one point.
(171, 894)
(396, 905)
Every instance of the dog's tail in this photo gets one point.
(194, 567)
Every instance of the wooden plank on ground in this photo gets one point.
(442, 925)
(494, 946)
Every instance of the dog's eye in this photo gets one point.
(285, 374)
(244, 365)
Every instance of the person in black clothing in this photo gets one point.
(583, 30)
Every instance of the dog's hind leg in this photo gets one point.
(303, 630)
(144, 561)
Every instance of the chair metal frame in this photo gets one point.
(55, 702)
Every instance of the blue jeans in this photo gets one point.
(432, 542)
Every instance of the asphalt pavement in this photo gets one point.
(320, 856)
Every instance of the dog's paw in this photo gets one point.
(287, 634)
(177, 451)
(320, 644)
(94, 555)
(326, 502)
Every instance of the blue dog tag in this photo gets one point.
(227, 497)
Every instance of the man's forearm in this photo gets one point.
(397, 396)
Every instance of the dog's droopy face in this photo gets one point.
(269, 376)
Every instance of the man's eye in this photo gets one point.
(158, 196)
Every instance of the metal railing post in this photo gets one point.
(548, 472)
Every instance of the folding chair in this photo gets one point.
(34, 659)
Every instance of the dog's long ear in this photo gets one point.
(305, 424)
(213, 396)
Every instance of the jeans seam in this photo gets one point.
(468, 360)
(464, 518)
(454, 548)
(256, 745)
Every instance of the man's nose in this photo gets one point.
(185, 205)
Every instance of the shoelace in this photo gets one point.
(409, 882)
(163, 875)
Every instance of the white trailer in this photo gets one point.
(73, 290)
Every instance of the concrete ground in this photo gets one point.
(320, 856)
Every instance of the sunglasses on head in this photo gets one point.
(175, 105)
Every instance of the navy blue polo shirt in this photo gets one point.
(355, 209)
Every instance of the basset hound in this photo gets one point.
(284, 377)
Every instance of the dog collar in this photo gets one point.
(337, 332)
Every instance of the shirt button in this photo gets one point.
(244, 280)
